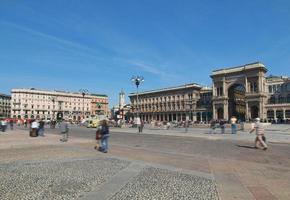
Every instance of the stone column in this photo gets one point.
(246, 84)
(194, 116)
(213, 90)
(200, 116)
(224, 86)
(226, 111)
(260, 109)
(214, 112)
(275, 116)
(284, 114)
(247, 110)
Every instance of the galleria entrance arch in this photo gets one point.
(236, 103)
(239, 91)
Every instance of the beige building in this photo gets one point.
(278, 104)
(190, 101)
(246, 92)
(243, 91)
(5, 105)
(43, 104)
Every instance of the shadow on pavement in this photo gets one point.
(246, 146)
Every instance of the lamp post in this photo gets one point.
(84, 92)
(188, 104)
(137, 80)
(53, 99)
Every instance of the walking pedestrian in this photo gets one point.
(141, 126)
(260, 134)
(105, 136)
(3, 125)
(138, 122)
(234, 124)
(64, 130)
(222, 126)
(41, 128)
(11, 123)
(212, 126)
(34, 129)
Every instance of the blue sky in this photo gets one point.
(99, 44)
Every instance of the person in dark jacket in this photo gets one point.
(64, 130)
(105, 136)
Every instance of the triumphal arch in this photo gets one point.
(240, 91)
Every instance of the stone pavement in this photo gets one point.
(140, 173)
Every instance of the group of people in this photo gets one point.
(4, 123)
(37, 128)
(257, 126)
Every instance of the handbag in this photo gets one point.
(98, 135)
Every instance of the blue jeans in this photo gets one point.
(234, 128)
(104, 142)
(41, 131)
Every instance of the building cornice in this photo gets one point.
(186, 86)
(242, 68)
(56, 93)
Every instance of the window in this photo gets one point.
(270, 89)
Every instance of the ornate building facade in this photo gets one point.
(242, 91)
(43, 104)
(190, 101)
(5, 105)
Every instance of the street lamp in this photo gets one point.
(137, 80)
(53, 99)
(84, 92)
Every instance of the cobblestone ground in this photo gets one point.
(55, 179)
(153, 183)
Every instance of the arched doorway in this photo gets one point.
(254, 112)
(220, 113)
(237, 105)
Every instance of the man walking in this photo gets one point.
(234, 124)
(259, 134)
(41, 128)
(64, 130)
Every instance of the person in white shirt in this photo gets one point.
(260, 131)
(34, 128)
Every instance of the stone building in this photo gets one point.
(278, 104)
(246, 92)
(190, 101)
(99, 104)
(43, 104)
(5, 106)
(240, 91)
(243, 91)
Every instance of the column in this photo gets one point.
(214, 113)
(226, 111)
(261, 113)
(246, 84)
(224, 86)
(284, 114)
(194, 116)
(213, 90)
(247, 111)
(200, 116)
(275, 116)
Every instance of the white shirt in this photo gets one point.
(34, 124)
(138, 121)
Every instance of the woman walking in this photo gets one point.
(105, 136)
